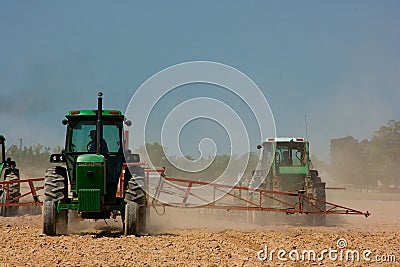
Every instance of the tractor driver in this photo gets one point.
(92, 146)
(286, 161)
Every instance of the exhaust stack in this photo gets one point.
(99, 124)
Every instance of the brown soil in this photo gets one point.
(202, 238)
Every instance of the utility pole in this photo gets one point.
(20, 150)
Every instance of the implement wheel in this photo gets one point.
(49, 217)
(131, 218)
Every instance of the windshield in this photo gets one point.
(290, 154)
(82, 137)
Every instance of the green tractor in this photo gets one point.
(8, 172)
(95, 183)
(291, 171)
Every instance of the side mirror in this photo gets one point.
(128, 123)
(64, 121)
(259, 146)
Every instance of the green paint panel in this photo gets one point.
(89, 199)
(63, 206)
(90, 172)
(293, 170)
(90, 158)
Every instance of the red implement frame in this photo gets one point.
(15, 201)
(302, 203)
(120, 191)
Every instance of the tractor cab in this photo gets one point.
(81, 150)
(289, 155)
(284, 163)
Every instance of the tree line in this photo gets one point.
(216, 166)
(365, 163)
(31, 157)
(36, 157)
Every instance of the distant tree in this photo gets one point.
(33, 157)
(364, 163)
(58, 149)
(384, 153)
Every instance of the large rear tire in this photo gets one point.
(320, 219)
(49, 217)
(135, 193)
(131, 218)
(55, 189)
(13, 192)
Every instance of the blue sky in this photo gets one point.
(337, 61)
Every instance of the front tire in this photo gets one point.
(135, 193)
(49, 217)
(13, 192)
(55, 190)
(131, 218)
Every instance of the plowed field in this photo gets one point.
(201, 238)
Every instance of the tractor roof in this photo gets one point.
(285, 139)
(89, 112)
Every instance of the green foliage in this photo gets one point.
(384, 153)
(216, 166)
(32, 157)
(366, 162)
(37, 157)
